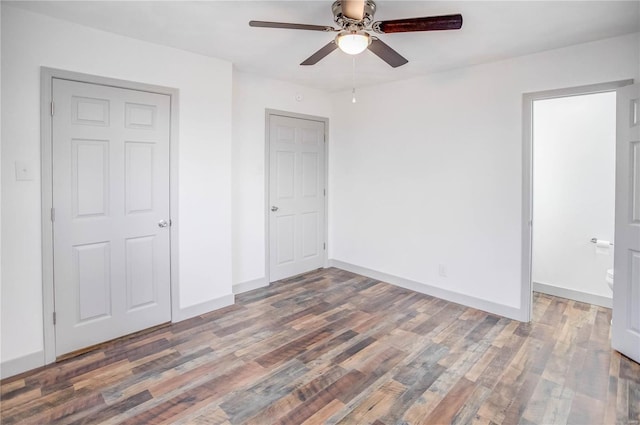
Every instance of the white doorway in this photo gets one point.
(107, 254)
(625, 325)
(574, 140)
(565, 248)
(296, 194)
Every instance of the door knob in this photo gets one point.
(274, 208)
(162, 223)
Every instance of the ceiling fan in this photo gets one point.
(355, 19)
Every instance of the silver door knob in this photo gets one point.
(162, 223)
(274, 208)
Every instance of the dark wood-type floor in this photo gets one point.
(334, 347)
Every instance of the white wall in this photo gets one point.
(429, 171)
(30, 41)
(251, 96)
(0, 180)
(574, 146)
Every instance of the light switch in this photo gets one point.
(24, 171)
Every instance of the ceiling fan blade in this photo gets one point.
(320, 54)
(429, 23)
(353, 9)
(386, 53)
(285, 25)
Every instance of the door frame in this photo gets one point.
(526, 286)
(46, 168)
(267, 166)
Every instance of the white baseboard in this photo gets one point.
(572, 294)
(202, 308)
(469, 301)
(21, 364)
(250, 285)
(34, 360)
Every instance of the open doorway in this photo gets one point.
(569, 192)
(574, 139)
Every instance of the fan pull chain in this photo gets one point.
(353, 79)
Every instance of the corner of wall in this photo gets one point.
(21, 364)
(423, 288)
(239, 288)
(185, 313)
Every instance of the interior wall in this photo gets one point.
(574, 145)
(252, 95)
(30, 41)
(426, 174)
(0, 181)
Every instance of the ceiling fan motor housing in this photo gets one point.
(346, 23)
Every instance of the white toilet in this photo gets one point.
(609, 279)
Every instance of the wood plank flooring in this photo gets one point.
(338, 348)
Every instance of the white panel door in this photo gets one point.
(296, 196)
(625, 335)
(111, 212)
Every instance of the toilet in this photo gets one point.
(609, 279)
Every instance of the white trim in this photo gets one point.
(423, 288)
(173, 200)
(46, 192)
(527, 177)
(572, 294)
(46, 77)
(202, 308)
(526, 300)
(21, 364)
(267, 204)
(239, 288)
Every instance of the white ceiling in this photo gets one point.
(491, 31)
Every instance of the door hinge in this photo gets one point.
(324, 245)
(324, 191)
(54, 317)
(52, 108)
(53, 215)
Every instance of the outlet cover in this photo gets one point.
(442, 270)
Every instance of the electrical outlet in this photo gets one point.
(442, 270)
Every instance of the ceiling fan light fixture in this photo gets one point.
(353, 42)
